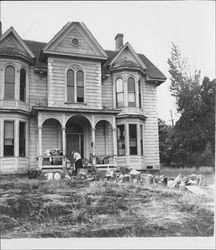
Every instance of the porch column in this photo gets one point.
(127, 139)
(138, 139)
(63, 146)
(40, 158)
(93, 146)
(114, 145)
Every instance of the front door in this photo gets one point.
(74, 142)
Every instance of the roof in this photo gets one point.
(36, 48)
(152, 71)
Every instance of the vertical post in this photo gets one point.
(138, 139)
(114, 145)
(64, 146)
(16, 137)
(93, 146)
(40, 158)
(127, 139)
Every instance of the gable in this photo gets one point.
(87, 45)
(11, 43)
(127, 57)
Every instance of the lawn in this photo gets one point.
(32, 208)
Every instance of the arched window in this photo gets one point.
(140, 94)
(70, 86)
(22, 85)
(9, 89)
(131, 92)
(80, 86)
(119, 93)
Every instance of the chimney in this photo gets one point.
(119, 41)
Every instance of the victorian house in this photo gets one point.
(69, 94)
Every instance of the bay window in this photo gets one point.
(121, 139)
(133, 139)
(22, 139)
(22, 85)
(9, 138)
(131, 92)
(119, 93)
(9, 90)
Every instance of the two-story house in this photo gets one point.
(69, 94)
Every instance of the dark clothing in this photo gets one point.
(78, 164)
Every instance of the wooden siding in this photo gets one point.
(33, 142)
(151, 143)
(103, 139)
(57, 83)
(38, 88)
(107, 93)
(51, 135)
(65, 45)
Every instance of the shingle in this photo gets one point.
(152, 71)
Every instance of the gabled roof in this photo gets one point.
(136, 61)
(97, 51)
(12, 30)
(36, 48)
(151, 70)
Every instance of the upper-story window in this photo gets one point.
(9, 90)
(80, 86)
(140, 94)
(70, 86)
(22, 85)
(131, 92)
(75, 86)
(119, 93)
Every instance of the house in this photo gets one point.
(70, 93)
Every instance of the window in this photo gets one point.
(70, 86)
(140, 94)
(9, 83)
(22, 139)
(75, 86)
(22, 85)
(8, 138)
(119, 93)
(80, 86)
(121, 139)
(141, 139)
(131, 92)
(133, 139)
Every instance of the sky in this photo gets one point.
(149, 26)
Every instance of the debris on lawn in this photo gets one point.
(196, 190)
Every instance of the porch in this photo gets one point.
(91, 134)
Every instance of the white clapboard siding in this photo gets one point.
(51, 135)
(107, 93)
(57, 82)
(33, 142)
(37, 88)
(66, 44)
(151, 144)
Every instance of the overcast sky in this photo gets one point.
(149, 26)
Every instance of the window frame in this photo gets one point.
(132, 139)
(122, 141)
(21, 84)
(75, 69)
(120, 92)
(22, 138)
(131, 104)
(14, 82)
(13, 139)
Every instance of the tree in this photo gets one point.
(194, 131)
(165, 141)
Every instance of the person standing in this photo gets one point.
(77, 159)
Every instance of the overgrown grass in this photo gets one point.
(34, 208)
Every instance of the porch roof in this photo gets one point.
(36, 109)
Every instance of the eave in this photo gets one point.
(36, 109)
(15, 111)
(45, 53)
